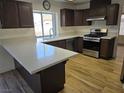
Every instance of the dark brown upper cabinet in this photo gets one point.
(85, 16)
(96, 12)
(67, 17)
(78, 44)
(112, 14)
(9, 14)
(99, 3)
(14, 14)
(78, 17)
(25, 14)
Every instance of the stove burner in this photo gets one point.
(95, 35)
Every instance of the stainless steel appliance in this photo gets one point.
(91, 42)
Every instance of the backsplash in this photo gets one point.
(112, 30)
(67, 31)
(19, 32)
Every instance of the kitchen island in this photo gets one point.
(41, 65)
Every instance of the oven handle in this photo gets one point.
(91, 40)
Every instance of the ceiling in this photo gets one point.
(74, 1)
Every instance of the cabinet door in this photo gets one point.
(101, 11)
(107, 48)
(62, 44)
(78, 17)
(112, 14)
(10, 14)
(85, 16)
(25, 14)
(67, 17)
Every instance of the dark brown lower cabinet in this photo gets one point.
(78, 44)
(75, 44)
(50, 80)
(107, 48)
(60, 43)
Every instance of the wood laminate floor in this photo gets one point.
(83, 75)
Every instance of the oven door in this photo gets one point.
(91, 48)
(91, 45)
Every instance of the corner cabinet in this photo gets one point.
(112, 14)
(107, 48)
(67, 17)
(15, 14)
(78, 44)
(60, 43)
(25, 14)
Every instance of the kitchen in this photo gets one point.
(63, 34)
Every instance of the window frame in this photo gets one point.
(53, 23)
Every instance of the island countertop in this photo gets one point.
(35, 56)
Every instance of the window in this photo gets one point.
(122, 26)
(45, 24)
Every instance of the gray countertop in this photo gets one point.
(57, 38)
(35, 56)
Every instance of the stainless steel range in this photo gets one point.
(91, 42)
